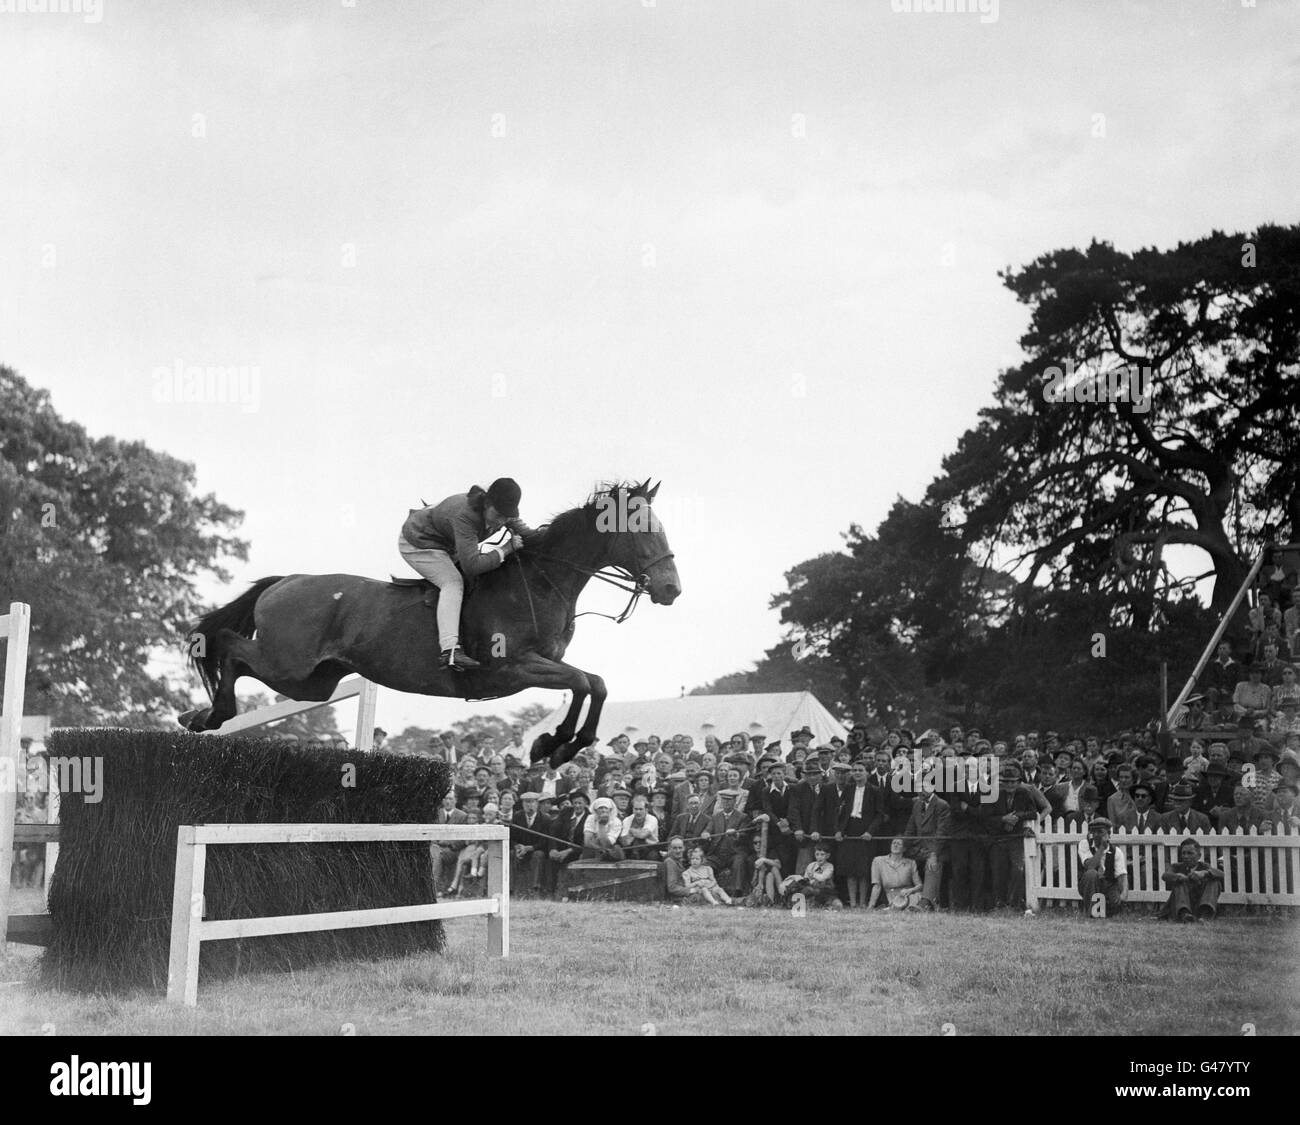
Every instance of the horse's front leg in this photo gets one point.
(544, 745)
(587, 735)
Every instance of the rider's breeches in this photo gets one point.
(438, 568)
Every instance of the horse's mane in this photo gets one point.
(574, 522)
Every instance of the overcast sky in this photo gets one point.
(749, 248)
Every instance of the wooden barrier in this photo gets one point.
(1259, 869)
(353, 686)
(190, 928)
(15, 630)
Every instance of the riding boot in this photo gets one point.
(455, 659)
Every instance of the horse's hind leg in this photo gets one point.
(244, 657)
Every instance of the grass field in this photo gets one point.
(640, 969)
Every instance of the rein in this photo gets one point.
(622, 578)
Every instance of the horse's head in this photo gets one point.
(638, 543)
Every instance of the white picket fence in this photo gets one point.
(1259, 869)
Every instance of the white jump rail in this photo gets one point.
(353, 686)
(15, 629)
(1259, 869)
(190, 929)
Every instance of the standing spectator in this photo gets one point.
(929, 825)
(685, 787)
(803, 810)
(693, 823)
(775, 803)
(728, 846)
(659, 810)
(704, 790)
(1016, 808)
(1283, 814)
(1144, 817)
(1102, 869)
(1263, 780)
(1193, 886)
(860, 816)
(969, 846)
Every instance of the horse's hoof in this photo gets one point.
(193, 720)
(543, 745)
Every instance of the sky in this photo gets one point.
(748, 248)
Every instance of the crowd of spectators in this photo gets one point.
(844, 824)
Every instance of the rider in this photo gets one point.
(441, 542)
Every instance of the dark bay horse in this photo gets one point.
(300, 635)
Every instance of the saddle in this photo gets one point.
(430, 590)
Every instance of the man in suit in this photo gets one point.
(803, 813)
(693, 823)
(685, 788)
(1214, 794)
(968, 851)
(1182, 818)
(530, 851)
(775, 801)
(543, 779)
(1244, 814)
(728, 848)
(931, 821)
(1143, 817)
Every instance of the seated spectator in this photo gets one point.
(1102, 869)
(700, 880)
(1252, 698)
(1265, 614)
(1144, 817)
(675, 872)
(1195, 763)
(1088, 802)
(1193, 716)
(1182, 818)
(527, 826)
(1194, 886)
(471, 862)
(1120, 803)
(601, 832)
(897, 877)
(640, 835)
(817, 883)
(1271, 667)
(1283, 814)
(1214, 794)
(693, 823)
(1263, 779)
(1243, 814)
(1100, 778)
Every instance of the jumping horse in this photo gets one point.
(303, 633)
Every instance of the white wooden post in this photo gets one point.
(498, 924)
(15, 628)
(366, 716)
(1031, 873)
(187, 915)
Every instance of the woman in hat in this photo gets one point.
(442, 543)
(860, 815)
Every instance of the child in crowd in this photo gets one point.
(817, 883)
(699, 878)
(471, 863)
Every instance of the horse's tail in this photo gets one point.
(205, 655)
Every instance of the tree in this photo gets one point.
(1158, 406)
(105, 540)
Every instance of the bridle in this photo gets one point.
(621, 577)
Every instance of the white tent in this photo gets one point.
(775, 714)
